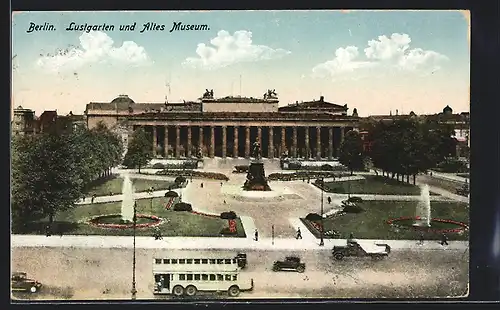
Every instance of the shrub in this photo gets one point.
(355, 199)
(352, 208)
(158, 166)
(294, 165)
(326, 167)
(183, 206)
(171, 194)
(313, 217)
(231, 215)
(179, 180)
(227, 232)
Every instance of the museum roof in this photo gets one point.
(320, 104)
(144, 107)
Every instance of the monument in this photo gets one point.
(256, 178)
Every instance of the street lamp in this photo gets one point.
(134, 291)
(321, 241)
(272, 230)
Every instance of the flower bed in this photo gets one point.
(169, 204)
(205, 214)
(232, 226)
(407, 222)
(94, 221)
(194, 174)
(303, 175)
(315, 228)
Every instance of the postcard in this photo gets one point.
(177, 155)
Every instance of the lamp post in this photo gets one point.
(272, 234)
(321, 241)
(134, 291)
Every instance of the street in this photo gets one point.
(106, 273)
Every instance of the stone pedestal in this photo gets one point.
(256, 178)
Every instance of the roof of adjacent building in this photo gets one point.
(320, 104)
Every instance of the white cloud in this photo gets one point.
(393, 51)
(229, 49)
(95, 46)
(343, 62)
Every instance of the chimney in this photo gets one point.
(321, 98)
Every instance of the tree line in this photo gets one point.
(401, 148)
(51, 171)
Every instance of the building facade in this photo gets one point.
(229, 126)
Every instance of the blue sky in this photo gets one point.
(376, 61)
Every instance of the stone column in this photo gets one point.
(200, 140)
(283, 139)
(177, 141)
(236, 142)
(155, 141)
(165, 142)
(342, 132)
(270, 148)
(189, 146)
(318, 142)
(224, 141)
(330, 143)
(307, 142)
(212, 141)
(259, 134)
(294, 142)
(247, 142)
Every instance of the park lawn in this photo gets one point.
(373, 184)
(372, 223)
(178, 223)
(114, 186)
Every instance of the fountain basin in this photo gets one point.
(113, 221)
(436, 225)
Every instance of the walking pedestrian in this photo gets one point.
(329, 200)
(421, 238)
(256, 235)
(47, 231)
(444, 240)
(201, 185)
(221, 184)
(224, 201)
(299, 234)
(351, 238)
(93, 198)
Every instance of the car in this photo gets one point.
(354, 248)
(242, 260)
(20, 282)
(292, 263)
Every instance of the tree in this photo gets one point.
(45, 177)
(140, 150)
(351, 151)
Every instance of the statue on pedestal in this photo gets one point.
(257, 152)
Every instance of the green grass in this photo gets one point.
(372, 223)
(373, 185)
(179, 223)
(114, 186)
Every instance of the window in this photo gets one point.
(182, 261)
(204, 277)
(197, 261)
(182, 277)
(189, 277)
(220, 261)
(173, 261)
(234, 260)
(227, 261)
(220, 277)
(228, 277)
(212, 277)
(166, 261)
(235, 277)
(189, 261)
(212, 261)
(197, 277)
(157, 261)
(204, 261)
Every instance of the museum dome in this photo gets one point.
(122, 99)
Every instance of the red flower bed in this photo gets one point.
(127, 225)
(462, 226)
(205, 214)
(232, 226)
(169, 203)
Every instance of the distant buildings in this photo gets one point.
(25, 122)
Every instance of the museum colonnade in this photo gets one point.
(177, 141)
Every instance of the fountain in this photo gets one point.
(423, 210)
(125, 220)
(128, 200)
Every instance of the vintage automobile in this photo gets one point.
(376, 251)
(292, 263)
(242, 260)
(20, 282)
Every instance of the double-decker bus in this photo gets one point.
(181, 276)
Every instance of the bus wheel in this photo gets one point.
(178, 290)
(33, 289)
(234, 291)
(191, 291)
